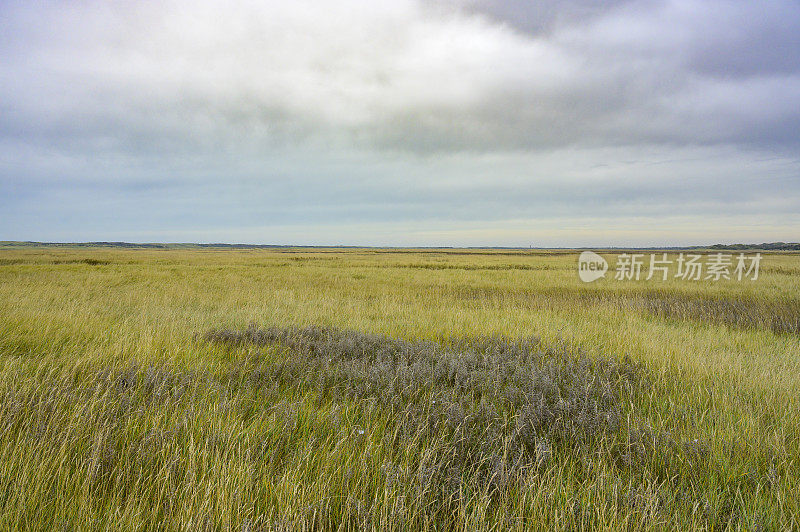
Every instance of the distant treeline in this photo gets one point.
(778, 246)
(148, 245)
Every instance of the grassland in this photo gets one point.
(354, 389)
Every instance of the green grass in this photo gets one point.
(624, 405)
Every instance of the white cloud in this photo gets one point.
(437, 110)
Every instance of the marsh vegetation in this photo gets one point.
(326, 389)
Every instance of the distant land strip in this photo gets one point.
(767, 246)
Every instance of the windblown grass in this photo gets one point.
(366, 394)
(779, 313)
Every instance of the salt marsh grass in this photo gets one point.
(185, 389)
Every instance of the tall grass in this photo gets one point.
(488, 391)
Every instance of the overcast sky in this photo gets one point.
(433, 122)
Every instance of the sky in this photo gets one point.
(401, 123)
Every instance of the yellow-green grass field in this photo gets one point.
(291, 389)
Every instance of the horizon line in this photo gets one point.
(774, 246)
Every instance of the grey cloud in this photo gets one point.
(439, 111)
(543, 16)
(636, 72)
